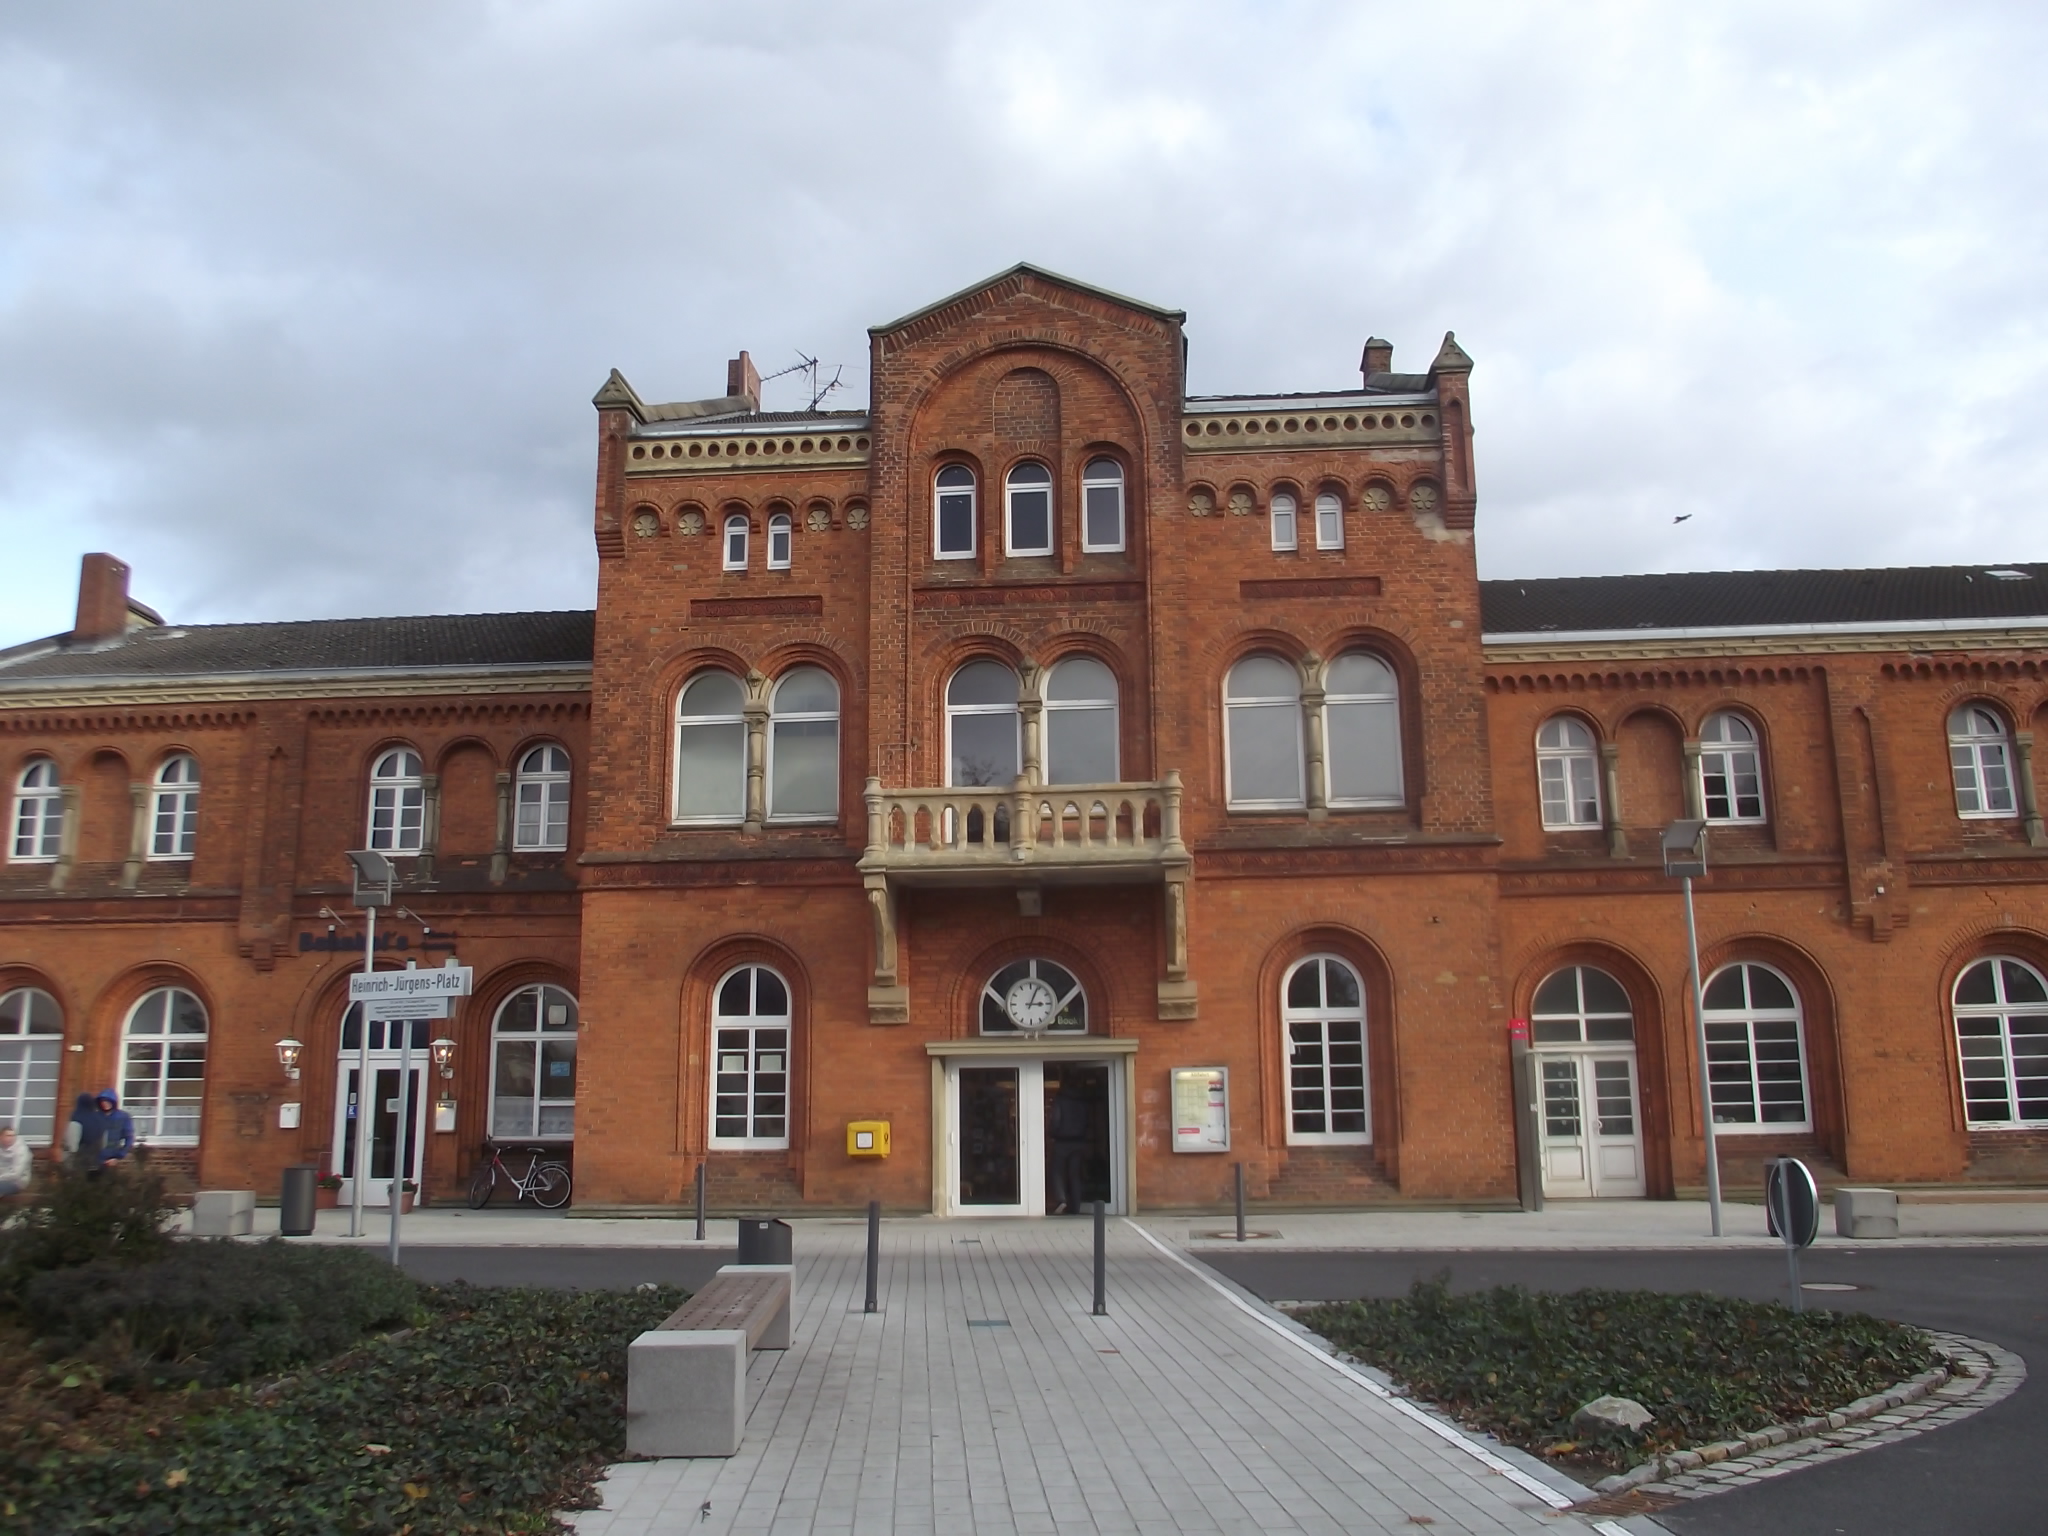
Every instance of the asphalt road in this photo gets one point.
(1987, 1474)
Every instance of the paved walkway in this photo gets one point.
(984, 1398)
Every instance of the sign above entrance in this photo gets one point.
(406, 1007)
(444, 982)
(1201, 1109)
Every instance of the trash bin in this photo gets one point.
(764, 1240)
(295, 1201)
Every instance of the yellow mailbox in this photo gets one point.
(867, 1138)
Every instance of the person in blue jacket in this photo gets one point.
(117, 1139)
(82, 1137)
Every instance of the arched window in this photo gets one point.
(1080, 723)
(1034, 997)
(1027, 511)
(711, 750)
(1329, 521)
(803, 747)
(1262, 735)
(1756, 1051)
(1731, 770)
(781, 532)
(541, 792)
(736, 541)
(1981, 759)
(163, 1066)
(38, 814)
(398, 801)
(1283, 507)
(1568, 773)
(31, 1045)
(533, 1065)
(1102, 507)
(174, 808)
(953, 523)
(1362, 731)
(983, 735)
(1322, 1015)
(1579, 1005)
(2001, 1008)
(750, 1027)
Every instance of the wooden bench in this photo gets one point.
(686, 1381)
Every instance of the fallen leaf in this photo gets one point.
(415, 1491)
(177, 1478)
(377, 1450)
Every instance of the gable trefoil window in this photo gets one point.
(953, 513)
(1027, 511)
(1282, 509)
(1102, 507)
(736, 542)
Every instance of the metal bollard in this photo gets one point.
(1101, 1264)
(1240, 1201)
(874, 1254)
(700, 1202)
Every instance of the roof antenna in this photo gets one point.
(809, 365)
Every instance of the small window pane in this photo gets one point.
(806, 777)
(1266, 677)
(1265, 753)
(713, 693)
(710, 772)
(983, 682)
(1343, 985)
(1305, 990)
(1558, 994)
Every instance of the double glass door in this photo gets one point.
(1033, 1138)
(383, 1137)
(1592, 1123)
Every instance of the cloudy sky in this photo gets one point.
(301, 307)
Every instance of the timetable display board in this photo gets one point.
(1201, 1109)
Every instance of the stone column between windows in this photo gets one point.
(1695, 799)
(67, 837)
(1610, 802)
(755, 713)
(501, 847)
(2030, 800)
(1312, 696)
(138, 836)
(430, 824)
(1031, 712)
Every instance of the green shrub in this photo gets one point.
(215, 1312)
(77, 1218)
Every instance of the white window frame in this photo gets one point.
(174, 808)
(1283, 513)
(1012, 490)
(1561, 765)
(2002, 1011)
(777, 717)
(1066, 989)
(1233, 707)
(1387, 705)
(954, 711)
(941, 493)
(398, 794)
(1329, 520)
(733, 541)
(1728, 753)
(781, 540)
(1748, 1017)
(30, 1057)
(1091, 482)
(37, 831)
(737, 717)
(149, 1122)
(1056, 708)
(1320, 1018)
(548, 998)
(1981, 764)
(1581, 1015)
(545, 788)
(754, 1024)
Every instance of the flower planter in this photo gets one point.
(325, 1199)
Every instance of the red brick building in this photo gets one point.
(1072, 787)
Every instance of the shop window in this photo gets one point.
(1756, 1051)
(533, 1066)
(984, 739)
(541, 800)
(1980, 757)
(1322, 1017)
(1282, 512)
(1567, 774)
(163, 1066)
(1034, 997)
(38, 814)
(803, 747)
(1329, 521)
(736, 542)
(174, 808)
(2001, 1014)
(1580, 1005)
(781, 533)
(1362, 732)
(1027, 511)
(953, 521)
(750, 1065)
(1731, 770)
(1080, 723)
(398, 802)
(31, 1047)
(1102, 507)
(1262, 736)
(711, 751)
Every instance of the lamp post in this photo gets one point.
(288, 1058)
(373, 881)
(1685, 856)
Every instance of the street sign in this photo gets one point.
(443, 981)
(406, 1007)
(1792, 1207)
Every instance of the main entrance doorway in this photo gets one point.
(1033, 1136)
(386, 1041)
(1590, 1104)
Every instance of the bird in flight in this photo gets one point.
(1682, 517)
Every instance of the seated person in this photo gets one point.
(15, 1166)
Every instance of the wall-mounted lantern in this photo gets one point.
(444, 1056)
(288, 1057)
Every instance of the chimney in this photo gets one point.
(102, 599)
(1379, 357)
(744, 379)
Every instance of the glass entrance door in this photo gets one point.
(383, 1137)
(1032, 1138)
(992, 1153)
(1592, 1124)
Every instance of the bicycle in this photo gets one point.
(548, 1183)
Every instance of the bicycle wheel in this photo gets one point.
(551, 1185)
(481, 1183)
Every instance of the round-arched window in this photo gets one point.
(533, 1065)
(1033, 997)
(1581, 1005)
(711, 750)
(2001, 1011)
(398, 801)
(984, 734)
(750, 1066)
(163, 1066)
(1322, 1016)
(31, 1046)
(1756, 1051)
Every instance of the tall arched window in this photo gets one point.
(31, 1045)
(541, 795)
(1568, 773)
(1027, 510)
(736, 541)
(2001, 1008)
(1362, 731)
(953, 516)
(1322, 1015)
(803, 747)
(984, 742)
(1034, 997)
(1731, 769)
(174, 808)
(38, 814)
(750, 1036)
(163, 1066)
(1756, 1051)
(1262, 735)
(398, 801)
(1080, 723)
(1102, 507)
(1981, 759)
(1329, 521)
(1282, 509)
(711, 750)
(781, 534)
(533, 1065)
(1581, 1005)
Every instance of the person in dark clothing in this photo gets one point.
(117, 1136)
(83, 1135)
(1067, 1126)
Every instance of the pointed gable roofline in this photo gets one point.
(1016, 276)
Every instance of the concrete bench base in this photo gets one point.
(1866, 1213)
(686, 1386)
(224, 1213)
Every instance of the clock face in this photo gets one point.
(1030, 1003)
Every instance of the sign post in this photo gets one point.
(1794, 1206)
(400, 997)
(1685, 855)
(1528, 1116)
(374, 879)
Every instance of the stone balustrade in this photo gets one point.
(1029, 828)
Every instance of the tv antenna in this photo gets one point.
(810, 366)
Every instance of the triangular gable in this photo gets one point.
(1013, 279)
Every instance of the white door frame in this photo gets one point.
(1030, 1056)
(1596, 1152)
(378, 1191)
